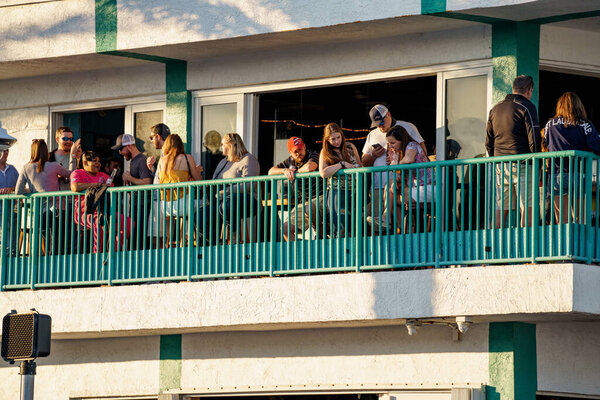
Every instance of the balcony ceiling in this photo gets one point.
(370, 30)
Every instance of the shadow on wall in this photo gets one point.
(91, 351)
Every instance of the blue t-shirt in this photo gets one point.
(8, 177)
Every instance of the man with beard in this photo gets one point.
(138, 174)
(300, 160)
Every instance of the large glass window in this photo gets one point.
(466, 115)
(216, 116)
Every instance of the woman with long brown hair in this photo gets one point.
(569, 129)
(41, 175)
(337, 154)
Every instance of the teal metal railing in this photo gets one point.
(514, 209)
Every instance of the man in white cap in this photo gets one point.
(375, 150)
(138, 174)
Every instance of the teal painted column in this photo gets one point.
(513, 361)
(433, 6)
(170, 363)
(515, 51)
(179, 101)
(106, 25)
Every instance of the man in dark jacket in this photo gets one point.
(513, 128)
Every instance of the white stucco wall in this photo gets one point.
(575, 48)
(517, 293)
(86, 368)
(49, 29)
(369, 356)
(296, 63)
(82, 87)
(24, 124)
(568, 357)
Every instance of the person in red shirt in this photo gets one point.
(83, 179)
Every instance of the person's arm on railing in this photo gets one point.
(327, 171)
(81, 186)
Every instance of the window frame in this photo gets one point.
(248, 95)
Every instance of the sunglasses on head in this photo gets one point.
(67, 139)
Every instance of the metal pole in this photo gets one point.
(27, 373)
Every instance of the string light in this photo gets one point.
(291, 121)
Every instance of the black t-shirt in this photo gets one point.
(310, 186)
(139, 170)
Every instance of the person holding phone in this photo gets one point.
(375, 152)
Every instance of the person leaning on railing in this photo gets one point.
(415, 185)
(84, 178)
(337, 154)
(300, 160)
(569, 129)
(174, 167)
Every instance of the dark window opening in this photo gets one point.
(554, 84)
(412, 100)
(97, 129)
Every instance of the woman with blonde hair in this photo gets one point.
(337, 154)
(175, 167)
(238, 163)
(569, 129)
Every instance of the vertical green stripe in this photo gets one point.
(513, 362)
(515, 51)
(179, 101)
(106, 25)
(170, 362)
(433, 6)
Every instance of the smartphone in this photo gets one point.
(376, 146)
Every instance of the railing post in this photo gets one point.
(112, 221)
(588, 209)
(3, 240)
(359, 220)
(273, 227)
(35, 232)
(439, 211)
(535, 210)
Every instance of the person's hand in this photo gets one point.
(76, 150)
(127, 177)
(199, 168)
(150, 161)
(393, 156)
(6, 190)
(290, 173)
(378, 151)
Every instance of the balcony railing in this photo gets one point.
(439, 214)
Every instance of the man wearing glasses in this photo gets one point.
(62, 155)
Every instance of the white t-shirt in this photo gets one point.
(376, 136)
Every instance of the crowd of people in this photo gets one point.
(512, 129)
